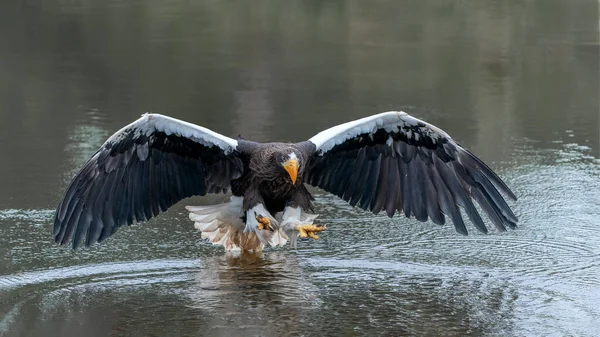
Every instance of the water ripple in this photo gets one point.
(36, 215)
(106, 271)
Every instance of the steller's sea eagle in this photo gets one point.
(389, 162)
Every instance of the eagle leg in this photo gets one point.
(264, 222)
(309, 230)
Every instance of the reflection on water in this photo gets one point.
(516, 82)
(259, 293)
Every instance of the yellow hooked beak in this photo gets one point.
(291, 166)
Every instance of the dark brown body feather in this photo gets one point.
(264, 181)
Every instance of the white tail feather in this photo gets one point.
(206, 218)
(222, 225)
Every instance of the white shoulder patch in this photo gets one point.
(149, 123)
(391, 121)
(327, 139)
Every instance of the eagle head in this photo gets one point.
(290, 162)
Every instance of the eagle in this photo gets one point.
(389, 162)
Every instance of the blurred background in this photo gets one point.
(516, 82)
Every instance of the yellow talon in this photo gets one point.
(308, 231)
(263, 222)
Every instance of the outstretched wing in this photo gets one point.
(395, 162)
(143, 169)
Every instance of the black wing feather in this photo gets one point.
(382, 187)
(395, 162)
(138, 173)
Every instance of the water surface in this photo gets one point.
(516, 82)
